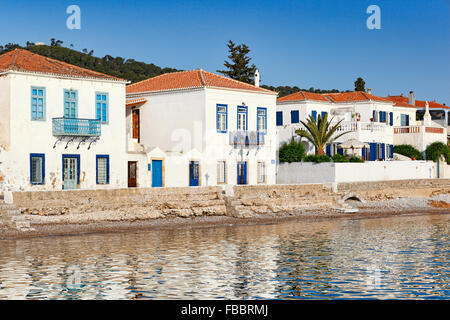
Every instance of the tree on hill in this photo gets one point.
(360, 84)
(238, 67)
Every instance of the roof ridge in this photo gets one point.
(201, 77)
(16, 52)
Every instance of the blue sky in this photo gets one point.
(315, 43)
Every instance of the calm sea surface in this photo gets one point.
(400, 257)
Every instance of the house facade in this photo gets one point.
(379, 122)
(197, 128)
(62, 127)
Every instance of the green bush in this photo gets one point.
(408, 151)
(293, 151)
(339, 158)
(436, 149)
(355, 159)
(317, 158)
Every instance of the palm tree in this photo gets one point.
(320, 132)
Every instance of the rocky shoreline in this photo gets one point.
(114, 222)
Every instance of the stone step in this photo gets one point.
(6, 206)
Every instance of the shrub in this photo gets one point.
(436, 149)
(408, 151)
(317, 158)
(293, 151)
(355, 159)
(339, 158)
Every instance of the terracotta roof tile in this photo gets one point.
(354, 96)
(24, 60)
(188, 80)
(302, 96)
(404, 102)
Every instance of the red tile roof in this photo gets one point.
(24, 60)
(403, 101)
(354, 96)
(302, 96)
(189, 80)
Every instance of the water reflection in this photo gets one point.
(399, 257)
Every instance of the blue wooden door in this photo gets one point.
(194, 170)
(242, 173)
(157, 178)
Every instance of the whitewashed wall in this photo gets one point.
(36, 136)
(182, 125)
(307, 172)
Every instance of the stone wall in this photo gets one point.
(383, 190)
(150, 202)
(237, 201)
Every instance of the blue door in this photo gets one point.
(157, 178)
(242, 173)
(193, 173)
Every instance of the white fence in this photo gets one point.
(329, 172)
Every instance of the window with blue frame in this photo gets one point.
(101, 104)
(294, 116)
(242, 124)
(102, 166)
(404, 120)
(37, 103)
(261, 121)
(221, 118)
(37, 168)
(70, 103)
(279, 118)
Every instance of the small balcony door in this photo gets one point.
(194, 173)
(70, 111)
(242, 119)
(70, 177)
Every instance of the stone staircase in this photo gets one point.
(11, 217)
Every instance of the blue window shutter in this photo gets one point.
(383, 153)
(391, 118)
(407, 120)
(294, 116)
(279, 118)
(314, 114)
(328, 150)
(373, 115)
(373, 151)
(392, 150)
(323, 114)
(107, 169)
(380, 114)
(363, 150)
(340, 151)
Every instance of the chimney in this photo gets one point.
(412, 99)
(369, 90)
(257, 78)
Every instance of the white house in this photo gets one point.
(197, 128)
(378, 122)
(61, 126)
(429, 123)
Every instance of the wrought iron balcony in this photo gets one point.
(247, 138)
(76, 127)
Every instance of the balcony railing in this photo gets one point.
(247, 138)
(76, 127)
(418, 129)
